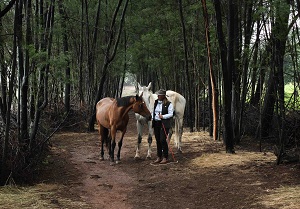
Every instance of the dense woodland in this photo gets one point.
(230, 59)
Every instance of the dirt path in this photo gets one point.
(204, 177)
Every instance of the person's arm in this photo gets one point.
(170, 112)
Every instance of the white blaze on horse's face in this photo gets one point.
(146, 94)
(141, 108)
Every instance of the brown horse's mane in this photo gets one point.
(124, 101)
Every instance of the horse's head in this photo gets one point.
(147, 95)
(140, 107)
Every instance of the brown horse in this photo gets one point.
(112, 115)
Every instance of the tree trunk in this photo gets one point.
(3, 70)
(236, 71)
(24, 78)
(41, 97)
(80, 85)
(65, 51)
(276, 79)
(227, 73)
(186, 66)
(214, 91)
(254, 77)
(91, 51)
(228, 80)
(248, 30)
(4, 169)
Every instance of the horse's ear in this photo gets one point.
(149, 86)
(139, 85)
(137, 97)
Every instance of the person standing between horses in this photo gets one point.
(162, 115)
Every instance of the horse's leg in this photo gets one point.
(176, 132)
(179, 133)
(140, 134)
(113, 143)
(102, 139)
(108, 144)
(171, 130)
(149, 139)
(120, 146)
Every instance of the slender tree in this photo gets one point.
(3, 80)
(214, 91)
(226, 71)
(109, 55)
(186, 65)
(4, 159)
(276, 79)
(65, 51)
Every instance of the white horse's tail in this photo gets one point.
(179, 103)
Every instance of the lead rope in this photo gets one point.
(169, 149)
(168, 141)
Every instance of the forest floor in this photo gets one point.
(205, 177)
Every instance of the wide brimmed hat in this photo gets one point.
(161, 92)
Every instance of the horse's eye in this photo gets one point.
(141, 105)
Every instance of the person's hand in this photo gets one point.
(160, 116)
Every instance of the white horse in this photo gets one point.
(178, 102)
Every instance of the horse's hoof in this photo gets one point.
(148, 157)
(112, 163)
(101, 158)
(137, 157)
(118, 161)
(179, 151)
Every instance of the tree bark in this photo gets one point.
(228, 80)
(65, 51)
(248, 32)
(80, 84)
(24, 74)
(227, 73)
(213, 84)
(4, 161)
(91, 52)
(3, 70)
(186, 66)
(41, 97)
(276, 80)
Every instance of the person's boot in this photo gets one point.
(164, 161)
(158, 160)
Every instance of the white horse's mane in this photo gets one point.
(178, 102)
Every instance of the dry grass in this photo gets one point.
(214, 155)
(25, 197)
(222, 159)
(286, 197)
(39, 196)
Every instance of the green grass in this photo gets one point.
(289, 97)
